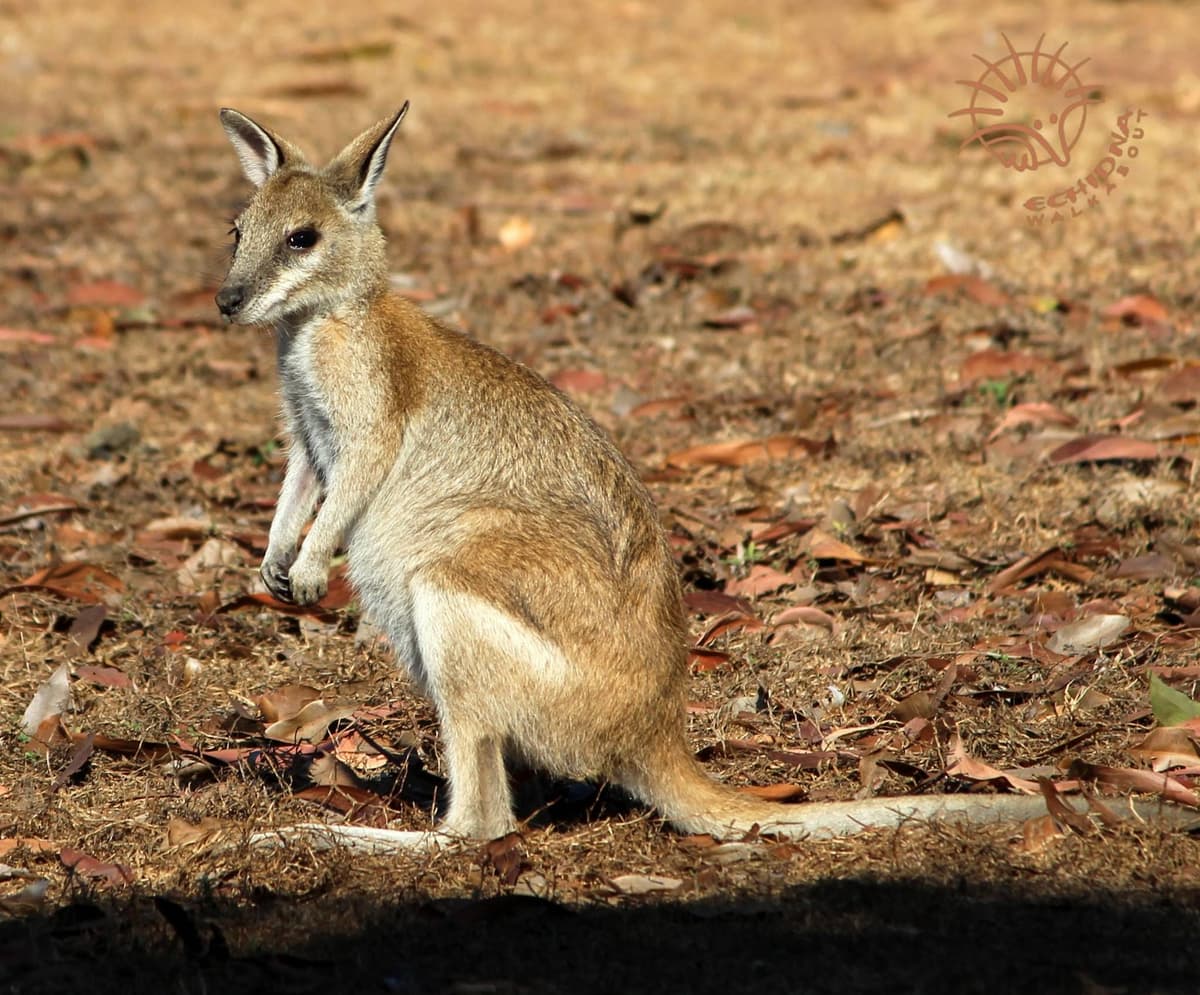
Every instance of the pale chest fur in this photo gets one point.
(308, 402)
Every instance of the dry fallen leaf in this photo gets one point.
(743, 452)
(1032, 413)
(31, 843)
(79, 581)
(1097, 448)
(1092, 632)
(285, 702)
(310, 723)
(964, 765)
(89, 867)
(759, 580)
(1167, 747)
(52, 698)
(1137, 309)
(643, 884)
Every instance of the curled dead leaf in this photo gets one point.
(1090, 633)
(52, 698)
(759, 580)
(1167, 747)
(642, 884)
(743, 452)
(310, 723)
(1100, 448)
(88, 866)
(77, 581)
(285, 702)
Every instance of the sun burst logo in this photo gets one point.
(1028, 109)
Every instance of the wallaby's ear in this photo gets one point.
(358, 167)
(260, 152)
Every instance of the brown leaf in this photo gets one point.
(1165, 748)
(733, 622)
(702, 660)
(1149, 566)
(1037, 834)
(1096, 448)
(976, 770)
(89, 867)
(1032, 413)
(106, 677)
(31, 843)
(1182, 386)
(175, 527)
(773, 792)
(760, 579)
(918, 705)
(1136, 780)
(26, 336)
(34, 423)
(285, 702)
(804, 615)
(506, 857)
(992, 364)
(822, 546)
(79, 581)
(1137, 309)
(86, 627)
(139, 748)
(1060, 810)
(1034, 565)
(359, 805)
(310, 723)
(973, 287)
(579, 381)
(79, 758)
(742, 452)
(716, 603)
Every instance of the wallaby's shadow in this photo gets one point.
(847, 936)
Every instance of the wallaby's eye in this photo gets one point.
(303, 239)
(236, 232)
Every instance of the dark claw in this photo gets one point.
(275, 576)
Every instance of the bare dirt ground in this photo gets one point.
(929, 469)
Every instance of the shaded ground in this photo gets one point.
(907, 444)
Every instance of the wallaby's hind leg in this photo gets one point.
(480, 799)
(462, 663)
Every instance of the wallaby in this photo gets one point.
(510, 552)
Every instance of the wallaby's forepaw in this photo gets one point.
(274, 572)
(307, 582)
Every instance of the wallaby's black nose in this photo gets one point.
(230, 300)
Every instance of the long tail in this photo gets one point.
(692, 802)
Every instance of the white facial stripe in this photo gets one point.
(285, 282)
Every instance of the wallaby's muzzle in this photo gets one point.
(230, 301)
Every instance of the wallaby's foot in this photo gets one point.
(274, 572)
(308, 581)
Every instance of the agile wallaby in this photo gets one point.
(507, 548)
